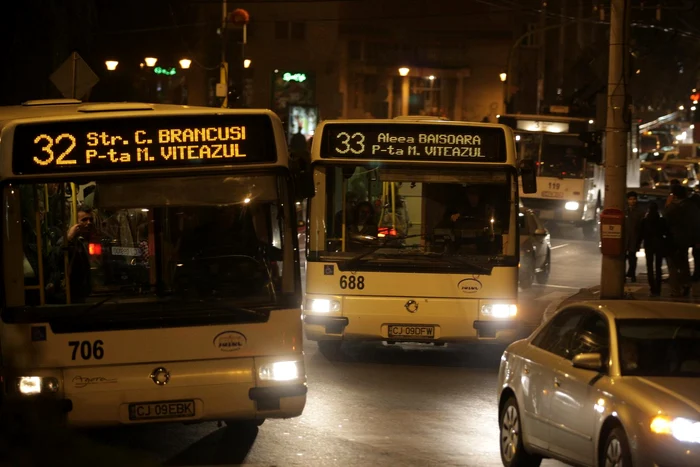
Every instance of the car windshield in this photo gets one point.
(562, 156)
(409, 213)
(651, 176)
(675, 171)
(145, 240)
(659, 347)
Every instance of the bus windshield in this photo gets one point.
(141, 241)
(562, 156)
(407, 215)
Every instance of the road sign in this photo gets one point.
(74, 78)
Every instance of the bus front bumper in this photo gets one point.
(186, 392)
(436, 320)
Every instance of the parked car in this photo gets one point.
(535, 249)
(604, 383)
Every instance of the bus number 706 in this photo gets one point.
(88, 349)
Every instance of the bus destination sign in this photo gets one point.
(408, 141)
(188, 140)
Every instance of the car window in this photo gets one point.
(592, 336)
(557, 335)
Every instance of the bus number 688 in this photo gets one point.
(352, 282)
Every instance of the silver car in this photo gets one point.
(609, 383)
(535, 250)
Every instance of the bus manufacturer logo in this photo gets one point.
(229, 341)
(469, 285)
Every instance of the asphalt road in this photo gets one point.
(409, 405)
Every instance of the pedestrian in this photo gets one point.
(654, 232)
(695, 199)
(683, 218)
(633, 234)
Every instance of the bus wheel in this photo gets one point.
(331, 349)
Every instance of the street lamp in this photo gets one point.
(185, 63)
(247, 62)
(150, 61)
(111, 65)
(405, 89)
(504, 77)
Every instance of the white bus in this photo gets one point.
(413, 233)
(570, 182)
(150, 263)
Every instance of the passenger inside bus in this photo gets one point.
(470, 222)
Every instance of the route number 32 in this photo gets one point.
(87, 349)
(354, 143)
(352, 282)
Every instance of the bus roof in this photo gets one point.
(52, 113)
(58, 108)
(414, 139)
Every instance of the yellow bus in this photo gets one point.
(150, 263)
(413, 233)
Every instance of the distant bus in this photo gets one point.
(570, 182)
(150, 263)
(413, 233)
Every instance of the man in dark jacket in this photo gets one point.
(683, 218)
(633, 234)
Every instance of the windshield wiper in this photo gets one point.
(460, 261)
(355, 260)
(218, 305)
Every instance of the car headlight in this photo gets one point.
(571, 205)
(499, 310)
(322, 305)
(29, 385)
(682, 429)
(279, 371)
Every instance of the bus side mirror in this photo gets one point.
(302, 176)
(528, 175)
(593, 142)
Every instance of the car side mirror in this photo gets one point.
(541, 232)
(528, 175)
(588, 361)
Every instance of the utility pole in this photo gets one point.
(541, 69)
(223, 76)
(612, 283)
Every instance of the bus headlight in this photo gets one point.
(322, 305)
(499, 310)
(571, 205)
(29, 385)
(279, 371)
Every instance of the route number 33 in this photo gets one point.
(354, 143)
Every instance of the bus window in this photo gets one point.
(465, 213)
(192, 239)
(562, 157)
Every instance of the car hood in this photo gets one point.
(678, 396)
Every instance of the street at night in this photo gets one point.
(350, 233)
(413, 405)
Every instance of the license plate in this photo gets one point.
(412, 331)
(165, 409)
